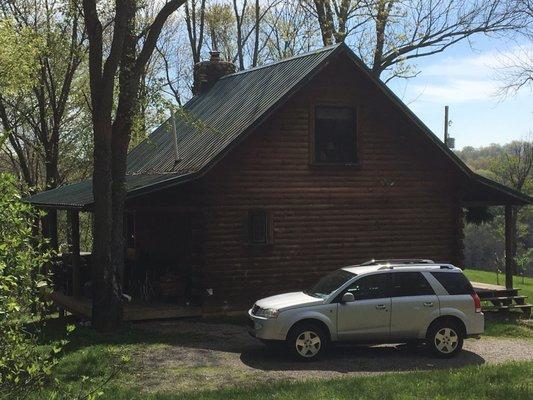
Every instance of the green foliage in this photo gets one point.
(19, 56)
(22, 282)
(478, 215)
(511, 165)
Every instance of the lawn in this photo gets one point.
(525, 284)
(505, 325)
(217, 360)
(202, 362)
(510, 381)
(506, 381)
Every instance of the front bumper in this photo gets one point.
(264, 328)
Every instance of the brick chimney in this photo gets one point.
(206, 73)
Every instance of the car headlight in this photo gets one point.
(267, 313)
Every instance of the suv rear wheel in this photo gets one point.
(445, 338)
(307, 341)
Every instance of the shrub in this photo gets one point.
(23, 364)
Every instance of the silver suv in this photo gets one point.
(380, 301)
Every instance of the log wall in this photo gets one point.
(400, 201)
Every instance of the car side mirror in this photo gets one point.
(347, 297)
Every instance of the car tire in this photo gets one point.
(445, 338)
(307, 341)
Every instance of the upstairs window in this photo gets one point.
(258, 227)
(335, 135)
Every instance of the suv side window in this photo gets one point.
(370, 287)
(409, 284)
(454, 282)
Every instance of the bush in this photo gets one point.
(23, 364)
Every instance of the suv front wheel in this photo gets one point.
(307, 341)
(445, 338)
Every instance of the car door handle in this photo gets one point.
(381, 307)
(428, 304)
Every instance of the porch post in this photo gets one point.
(74, 225)
(509, 246)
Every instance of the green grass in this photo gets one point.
(525, 284)
(508, 328)
(506, 381)
(108, 365)
(505, 325)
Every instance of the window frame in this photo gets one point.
(420, 274)
(386, 277)
(313, 136)
(446, 284)
(268, 228)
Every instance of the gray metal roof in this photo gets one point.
(210, 124)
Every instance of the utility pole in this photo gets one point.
(446, 124)
(448, 141)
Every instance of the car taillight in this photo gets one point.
(477, 302)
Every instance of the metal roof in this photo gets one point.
(212, 123)
(80, 195)
(208, 125)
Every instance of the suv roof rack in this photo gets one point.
(398, 261)
(440, 266)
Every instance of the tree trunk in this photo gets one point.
(49, 221)
(325, 21)
(111, 143)
(106, 289)
(382, 18)
(510, 245)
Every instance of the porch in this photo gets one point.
(134, 311)
(161, 278)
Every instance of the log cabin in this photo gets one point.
(271, 177)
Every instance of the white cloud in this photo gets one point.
(462, 79)
(456, 91)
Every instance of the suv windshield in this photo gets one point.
(329, 283)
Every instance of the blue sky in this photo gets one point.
(463, 77)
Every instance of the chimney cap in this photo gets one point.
(215, 55)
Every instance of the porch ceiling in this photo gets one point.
(481, 191)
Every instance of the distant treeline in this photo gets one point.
(484, 241)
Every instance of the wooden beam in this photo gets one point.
(509, 246)
(74, 247)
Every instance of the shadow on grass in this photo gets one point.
(55, 329)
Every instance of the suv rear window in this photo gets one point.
(454, 282)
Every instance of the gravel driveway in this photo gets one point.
(216, 355)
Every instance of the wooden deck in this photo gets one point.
(132, 311)
(500, 299)
(486, 287)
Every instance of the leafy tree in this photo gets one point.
(113, 109)
(22, 256)
(37, 112)
(510, 164)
